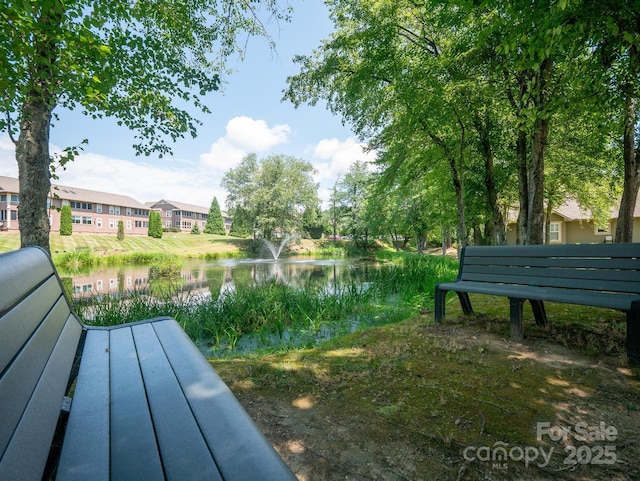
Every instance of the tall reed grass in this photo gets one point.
(273, 308)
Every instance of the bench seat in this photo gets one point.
(602, 275)
(620, 302)
(129, 402)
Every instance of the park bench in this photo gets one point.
(597, 275)
(132, 402)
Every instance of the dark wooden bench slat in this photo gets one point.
(19, 324)
(85, 452)
(239, 448)
(36, 428)
(21, 378)
(184, 452)
(566, 262)
(585, 284)
(565, 250)
(134, 453)
(561, 273)
(621, 302)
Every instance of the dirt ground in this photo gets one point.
(326, 429)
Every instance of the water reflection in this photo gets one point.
(218, 278)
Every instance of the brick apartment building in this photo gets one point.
(97, 212)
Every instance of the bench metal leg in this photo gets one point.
(539, 312)
(466, 303)
(633, 337)
(440, 309)
(439, 313)
(515, 317)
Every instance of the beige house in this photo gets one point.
(91, 211)
(571, 224)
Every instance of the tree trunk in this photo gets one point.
(495, 229)
(535, 183)
(523, 188)
(456, 178)
(32, 155)
(624, 227)
(535, 171)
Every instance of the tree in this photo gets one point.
(351, 197)
(273, 193)
(66, 222)
(120, 235)
(140, 62)
(241, 225)
(155, 225)
(215, 221)
(195, 229)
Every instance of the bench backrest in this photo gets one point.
(39, 336)
(598, 267)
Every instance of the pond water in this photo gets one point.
(217, 277)
(200, 279)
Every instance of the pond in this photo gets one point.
(217, 277)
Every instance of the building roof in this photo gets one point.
(179, 206)
(11, 184)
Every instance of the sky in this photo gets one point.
(248, 117)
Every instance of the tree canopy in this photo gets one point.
(141, 62)
(271, 194)
(503, 104)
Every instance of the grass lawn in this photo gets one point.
(183, 244)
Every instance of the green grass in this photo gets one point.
(180, 244)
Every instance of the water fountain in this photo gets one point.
(275, 251)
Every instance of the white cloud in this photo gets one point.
(244, 135)
(336, 157)
(332, 159)
(255, 135)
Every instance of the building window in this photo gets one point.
(168, 224)
(554, 232)
(168, 213)
(128, 225)
(117, 210)
(99, 222)
(15, 198)
(81, 205)
(112, 210)
(76, 219)
(99, 208)
(86, 220)
(65, 202)
(14, 215)
(112, 223)
(129, 211)
(3, 197)
(602, 229)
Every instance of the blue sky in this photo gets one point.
(247, 117)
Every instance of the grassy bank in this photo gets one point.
(182, 244)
